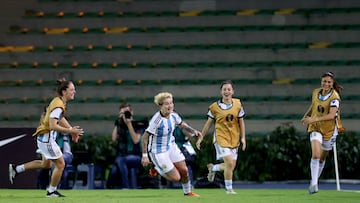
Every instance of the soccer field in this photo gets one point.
(176, 196)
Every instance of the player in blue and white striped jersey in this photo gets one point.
(158, 142)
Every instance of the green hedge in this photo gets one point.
(283, 154)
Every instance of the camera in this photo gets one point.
(127, 114)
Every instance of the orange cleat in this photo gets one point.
(153, 172)
(192, 194)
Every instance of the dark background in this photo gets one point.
(17, 152)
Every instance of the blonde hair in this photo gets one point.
(159, 98)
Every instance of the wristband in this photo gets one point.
(145, 155)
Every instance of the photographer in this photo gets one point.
(127, 133)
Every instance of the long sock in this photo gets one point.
(186, 187)
(321, 167)
(216, 167)
(314, 167)
(20, 168)
(228, 184)
(52, 188)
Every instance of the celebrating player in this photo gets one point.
(159, 143)
(323, 120)
(51, 124)
(227, 114)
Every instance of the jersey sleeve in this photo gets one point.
(177, 118)
(209, 114)
(56, 113)
(153, 124)
(241, 113)
(335, 103)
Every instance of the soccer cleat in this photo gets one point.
(231, 192)
(12, 173)
(153, 172)
(192, 194)
(211, 174)
(313, 189)
(54, 194)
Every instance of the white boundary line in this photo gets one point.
(356, 191)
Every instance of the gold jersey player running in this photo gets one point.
(52, 122)
(227, 115)
(324, 124)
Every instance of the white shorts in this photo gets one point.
(325, 144)
(222, 152)
(164, 161)
(48, 146)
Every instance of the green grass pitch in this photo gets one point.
(176, 196)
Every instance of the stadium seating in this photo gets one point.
(127, 51)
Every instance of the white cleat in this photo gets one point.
(12, 173)
(211, 174)
(313, 189)
(231, 192)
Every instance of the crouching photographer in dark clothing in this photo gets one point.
(127, 133)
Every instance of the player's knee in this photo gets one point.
(230, 165)
(46, 165)
(61, 165)
(183, 171)
(173, 178)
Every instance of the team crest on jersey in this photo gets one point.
(321, 109)
(229, 117)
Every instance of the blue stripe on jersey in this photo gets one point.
(161, 130)
(159, 140)
(170, 133)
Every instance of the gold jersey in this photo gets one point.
(321, 108)
(44, 123)
(227, 128)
